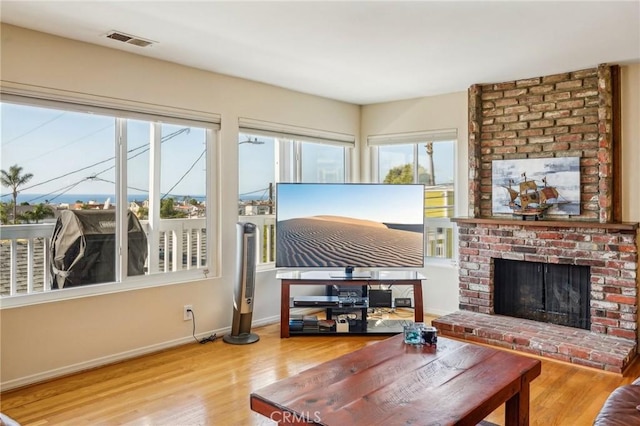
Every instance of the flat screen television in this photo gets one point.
(349, 225)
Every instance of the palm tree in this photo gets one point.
(431, 180)
(38, 213)
(13, 179)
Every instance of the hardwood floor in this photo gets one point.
(210, 385)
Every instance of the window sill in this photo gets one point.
(440, 263)
(133, 283)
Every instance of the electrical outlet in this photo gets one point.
(186, 312)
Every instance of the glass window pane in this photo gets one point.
(256, 182)
(435, 170)
(396, 164)
(183, 189)
(71, 157)
(138, 151)
(138, 189)
(322, 163)
(70, 160)
(257, 174)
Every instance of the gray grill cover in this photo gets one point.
(83, 248)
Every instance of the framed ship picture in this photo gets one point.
(536, 186)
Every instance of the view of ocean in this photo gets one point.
(72, 198)
(98, 198)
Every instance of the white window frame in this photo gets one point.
(289, 145)
(288, 149)
(120, 111)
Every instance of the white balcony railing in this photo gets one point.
(439, 238)
(181, 244)
(24, 252)
(438, 241)
(266, 225)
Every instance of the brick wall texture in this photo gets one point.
(561, 115)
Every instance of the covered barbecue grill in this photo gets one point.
(83, 248)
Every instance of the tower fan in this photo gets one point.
(244, 287)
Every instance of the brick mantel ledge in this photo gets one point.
(619, 226)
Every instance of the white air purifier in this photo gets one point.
(244, 287)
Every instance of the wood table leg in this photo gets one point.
(284, 308)
(517, 407)
(418, 311)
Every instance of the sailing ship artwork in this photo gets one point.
(533, 188)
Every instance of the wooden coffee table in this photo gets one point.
(391, 383)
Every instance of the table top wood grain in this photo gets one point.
(392, 383)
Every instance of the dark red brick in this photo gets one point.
(619, 332)
(629, 300)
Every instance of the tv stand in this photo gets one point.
(325, 278)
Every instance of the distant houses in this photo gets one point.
(191, 210)
(139, 208)
(23, 210)
(255, 207)
(439, 201)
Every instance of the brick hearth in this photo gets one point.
(557, 342)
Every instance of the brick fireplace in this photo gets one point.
(570, 114)
(610, 250)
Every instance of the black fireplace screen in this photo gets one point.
(545, 292)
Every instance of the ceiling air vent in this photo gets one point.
(129, 39)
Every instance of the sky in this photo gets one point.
(381, 203)
(73, 152)
(257, 165)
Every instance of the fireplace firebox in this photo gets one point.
(545, 292)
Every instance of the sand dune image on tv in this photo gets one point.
(336, 241)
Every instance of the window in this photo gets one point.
(269, 153)
(321, 163)
(256, 174)
(427, 158)
(136, 183)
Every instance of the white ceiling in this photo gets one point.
(358, 52)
